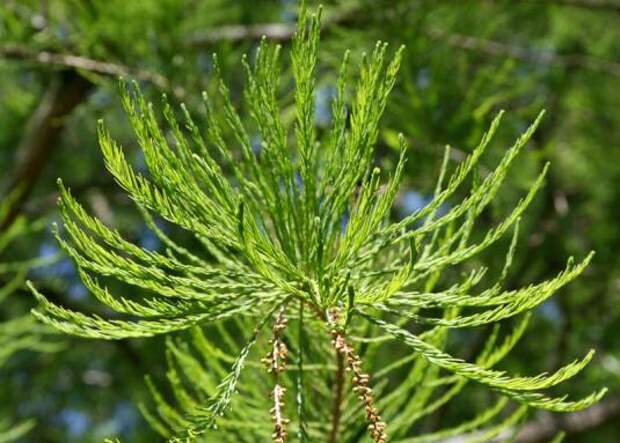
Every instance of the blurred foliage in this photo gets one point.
(464, 61)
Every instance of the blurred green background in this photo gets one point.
(60, 61)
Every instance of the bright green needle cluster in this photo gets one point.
(301, 222)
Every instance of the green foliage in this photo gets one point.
(303, 226)
(21, 333)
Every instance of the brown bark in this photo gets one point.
(42, 134)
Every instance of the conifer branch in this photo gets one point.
(306, 217)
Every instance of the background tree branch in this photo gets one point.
(76, 62)
(42, 133)
(65, 92)
(546, 426)
(499, 49)
(280, 32)
(283, 32)
(602, 5)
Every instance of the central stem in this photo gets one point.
(337, 406)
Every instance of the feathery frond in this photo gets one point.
(300, 223)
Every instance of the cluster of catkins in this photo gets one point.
(275, 361)
(359, 380)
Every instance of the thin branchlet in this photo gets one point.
(338, 390)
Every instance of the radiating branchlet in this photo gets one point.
(359, 379)
(295, 221)
(275, 361)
